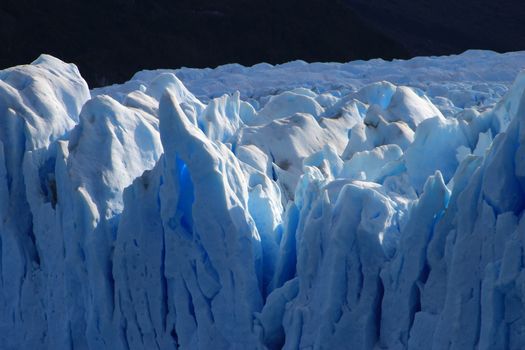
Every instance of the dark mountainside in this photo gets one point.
(430, 27)
(110, 40)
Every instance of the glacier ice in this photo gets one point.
(365, 205)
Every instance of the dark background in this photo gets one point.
(109, 40)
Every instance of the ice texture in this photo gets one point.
(365, 205)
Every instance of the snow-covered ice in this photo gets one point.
(365, 205)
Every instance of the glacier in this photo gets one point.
(360, 205)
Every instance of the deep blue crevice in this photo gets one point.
(175, 337)
(46, 174)
(186, 196)
(274, 173)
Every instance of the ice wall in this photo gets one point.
(384, 216)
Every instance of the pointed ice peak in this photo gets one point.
(509, 107)
(110, 147)
(169, 82)
(46, 95)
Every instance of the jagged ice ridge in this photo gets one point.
(298, 206)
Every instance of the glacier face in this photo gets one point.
(319, 207)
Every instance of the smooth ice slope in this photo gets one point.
(319, 207)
